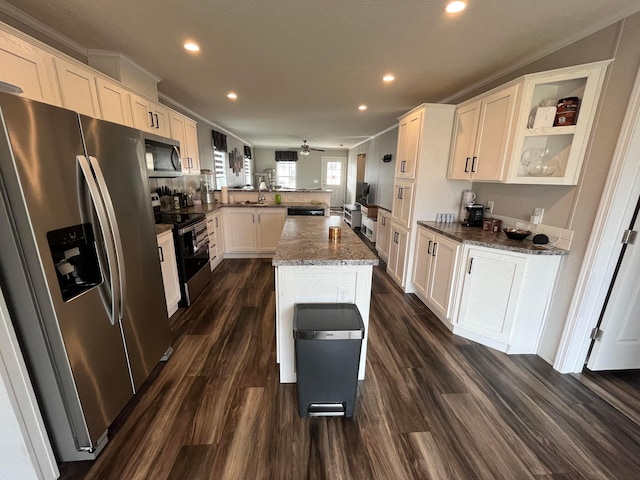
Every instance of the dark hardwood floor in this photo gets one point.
(432, 406)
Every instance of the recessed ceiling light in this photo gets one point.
(232, 96)
(455, 6)
(362, 108)
(388, 78)
(192, 47)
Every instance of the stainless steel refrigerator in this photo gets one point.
(79, 266)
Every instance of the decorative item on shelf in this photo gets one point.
(538, 164)
(567, 112)
(544, 115)
(386, 158)
(516, 233)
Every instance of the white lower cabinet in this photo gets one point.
(253, 230)
(216, 238)
(504, 297)
(397, 253)
(383, 234)
(167, 253)
(435, 262)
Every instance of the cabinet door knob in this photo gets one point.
(473, 164)
(429, 247)
(161, 254)
(435, 247)
(466, 165)
(470, 265)
(151, 117)
(157, 121)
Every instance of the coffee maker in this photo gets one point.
(473, 215)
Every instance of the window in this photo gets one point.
(334, 173)
(218, 161)
(247, 171)
(286, 173)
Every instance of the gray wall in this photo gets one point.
(309, 168)
(575, 207)
(378, 174)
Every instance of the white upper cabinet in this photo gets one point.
(29, 68)
(115, 104)
(481, 136)
(553, 155)
(183, 130)
(78, 88)
(409, 134)
(150, 116)
(496, 137)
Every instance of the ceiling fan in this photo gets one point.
(305, 149)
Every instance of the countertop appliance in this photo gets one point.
(79, 266)
(473, 216)
(192, 252)
(162, 156)
(305, 210)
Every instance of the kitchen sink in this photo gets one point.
(253, 204)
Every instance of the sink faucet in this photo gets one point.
(261, 187)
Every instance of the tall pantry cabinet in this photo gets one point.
(421, 189)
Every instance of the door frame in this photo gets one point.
(621, 192)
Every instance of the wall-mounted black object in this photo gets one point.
(386, 158)
(540, 239)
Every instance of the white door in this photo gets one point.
(333, 178)
(619, 346)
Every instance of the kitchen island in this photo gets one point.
(312, 269)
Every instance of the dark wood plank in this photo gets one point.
(432, 406)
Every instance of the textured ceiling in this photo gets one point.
(302, 67)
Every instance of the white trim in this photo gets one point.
(168, 100)
(44, 29)
(591, 29)
(621, 191)
(121, 56)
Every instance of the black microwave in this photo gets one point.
(162, 156)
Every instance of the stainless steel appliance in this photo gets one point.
(162, 156)
(79, 266)
(305, 210)
(192, 252)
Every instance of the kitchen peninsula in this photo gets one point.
(312, 269)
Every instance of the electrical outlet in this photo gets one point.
(538, 213)
(489, 206)
(315, 180)
(343, 294)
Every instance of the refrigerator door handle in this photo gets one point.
(104, 225)
(115, 231)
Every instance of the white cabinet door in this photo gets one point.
(409, 131)
(490, 290)
(191, 140)
(150, 116)
(422, 260)
(403, 202)
(481, 136)
(168, 265)
(219, 225)
(78, 88)
(240, 228)
(29, 68)
(213, 240)
(444, 260)
(464, 140)
(184, 131)
(270, 224)
(176, 125)
(114, 102)
(397, 254)
(382, 245)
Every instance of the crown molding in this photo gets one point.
(603, 23)
(40, 27)
(392, 127)
(167, 100)
(121, 56)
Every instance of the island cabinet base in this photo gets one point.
(317, 284)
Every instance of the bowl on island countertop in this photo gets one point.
(516, 233)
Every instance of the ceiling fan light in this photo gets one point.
(304, 152)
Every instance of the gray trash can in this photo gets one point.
(328, 338)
